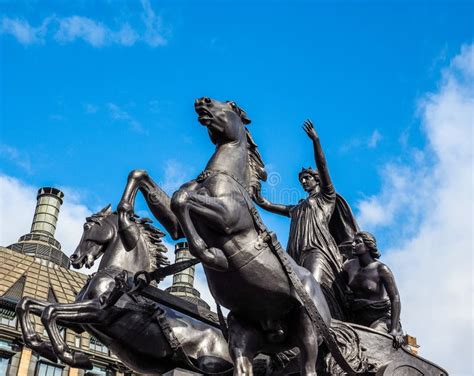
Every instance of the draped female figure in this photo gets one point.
(310, 242)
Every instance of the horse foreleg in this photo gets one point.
(216, 210)
(307, 340)
(157, 200)
(211, 257)
(23, 309)
(88, 312)
(244, 342)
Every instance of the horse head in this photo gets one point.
(226, 123)
(224, 120)
(99, 230)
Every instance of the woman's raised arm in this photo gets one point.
(319, 157)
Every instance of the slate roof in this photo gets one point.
(23, 275)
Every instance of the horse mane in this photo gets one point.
(150, 235)
(257, 167)
(152, 239)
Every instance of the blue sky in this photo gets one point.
(82, 110)
(90, 91)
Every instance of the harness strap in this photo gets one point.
(174, 343)
(222, 322)
(311, 308)
(239, 259)
(282, 256)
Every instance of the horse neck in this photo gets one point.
(231, 157)
(133, 261)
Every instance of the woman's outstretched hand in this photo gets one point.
(309, 129)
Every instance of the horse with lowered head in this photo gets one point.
(135, 329)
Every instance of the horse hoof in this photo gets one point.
(125, 208)
(81, 360)
(46, 351)
(33, 340)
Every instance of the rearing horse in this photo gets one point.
(216, 214)
(244, 275)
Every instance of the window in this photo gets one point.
(77, 342)
(100, 371)
(7, 318)
(5, 345)
(47, 369)
(5, 356)
(4, 365)
(96, 345)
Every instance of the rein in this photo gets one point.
(270, 238)
(208, 173)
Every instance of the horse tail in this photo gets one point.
(348, 342)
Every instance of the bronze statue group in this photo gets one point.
(278, 301)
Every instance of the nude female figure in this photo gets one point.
(376, 301)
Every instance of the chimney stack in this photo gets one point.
(183, 282)
(48, 202)
(40, 242)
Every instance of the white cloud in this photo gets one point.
(126, 36)
(23, 31)
(153, 25)
(119, 114)
(76, 27)
(97, 34)
(93, 32)
(17, 206)
(370, 142)
(374, 139)
(175, 175)
(12, 154)
(428, 204)
(403, 193)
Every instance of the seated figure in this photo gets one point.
(375, 300)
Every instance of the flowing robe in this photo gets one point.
(312, 246)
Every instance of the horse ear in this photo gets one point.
(107, 210)
(242, 114)
(244, 117)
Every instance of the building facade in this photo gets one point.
(25, 275)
